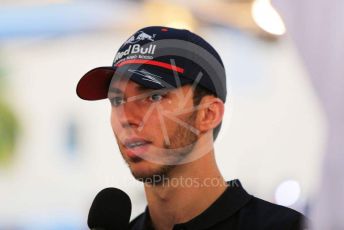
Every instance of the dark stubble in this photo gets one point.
(182, 142)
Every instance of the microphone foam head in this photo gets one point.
(110, 210)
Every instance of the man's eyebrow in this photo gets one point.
(139, 88)
(143, 89)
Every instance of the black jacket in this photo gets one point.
(234, 209)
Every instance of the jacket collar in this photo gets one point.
(230, 201)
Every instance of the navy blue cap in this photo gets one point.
(159, 57)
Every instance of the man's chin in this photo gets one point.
(156, 176)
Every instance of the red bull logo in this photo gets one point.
(140, 37)
(136, 49)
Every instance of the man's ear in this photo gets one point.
(210, 114)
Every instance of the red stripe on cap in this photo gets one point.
(151, 62)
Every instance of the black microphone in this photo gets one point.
(110, 210)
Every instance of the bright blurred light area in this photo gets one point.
(57, 18)
(287, 193)
(267, 18)
(32, 2)
(170, 14)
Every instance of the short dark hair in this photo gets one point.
(198, 94)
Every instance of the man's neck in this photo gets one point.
(188, 191)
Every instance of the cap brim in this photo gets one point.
(95, 83)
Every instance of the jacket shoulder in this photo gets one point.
(271, 216)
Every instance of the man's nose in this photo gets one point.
(130, 115)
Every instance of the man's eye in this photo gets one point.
(116, 101)
(155, 97)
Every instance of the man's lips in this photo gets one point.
(135, 147)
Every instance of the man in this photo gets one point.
(167, 89)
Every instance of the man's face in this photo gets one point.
(155, 129)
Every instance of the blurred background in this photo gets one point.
(57, 151)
